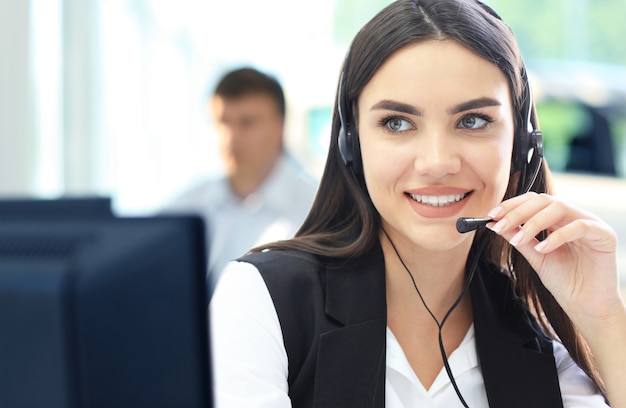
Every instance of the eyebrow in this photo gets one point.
(387, 104)
(474, 104)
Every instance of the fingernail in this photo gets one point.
(540, 246)
(495, 212)
(499, 226)
(517, 238)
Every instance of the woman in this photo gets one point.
(379, 300)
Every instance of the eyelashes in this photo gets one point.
(394, 123)
(471, 121)
(474, 121)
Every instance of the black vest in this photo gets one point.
(334, 318)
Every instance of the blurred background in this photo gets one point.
(107, 97)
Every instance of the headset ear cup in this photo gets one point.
(535, 155)
(345, 146)
(355, 149)
(520, 150)
(529, 160)
(536, 138)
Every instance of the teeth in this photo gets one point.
(438, 201)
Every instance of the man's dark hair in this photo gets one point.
(245, 81)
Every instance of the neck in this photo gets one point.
(246, 180)
(439, 276)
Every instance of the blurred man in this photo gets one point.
(265, 194)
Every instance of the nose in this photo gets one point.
(437, 155)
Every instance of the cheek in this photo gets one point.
(502, 183)
(225, 142)
(372, 165)
(382, 169)
(266, 134)
(496, 170)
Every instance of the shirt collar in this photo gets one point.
(269, 194)
(462, 360)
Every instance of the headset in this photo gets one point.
(349, 146)
(527, 144)
(528, 141)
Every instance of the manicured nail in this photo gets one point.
(499, 226)
(517, 238)
(495, 212)
(541, 246)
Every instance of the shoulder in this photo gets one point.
(240, 280)
(292, 171)
(288, 266)
(199, 194)
(292, 257)
(294, 279)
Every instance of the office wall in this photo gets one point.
(17, 127)
(108, 97)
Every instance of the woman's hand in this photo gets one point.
(577, 262)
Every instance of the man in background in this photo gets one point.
(265, 194)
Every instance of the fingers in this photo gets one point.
(577, 261)
(597, 238)
(523, 217)
(520, 219)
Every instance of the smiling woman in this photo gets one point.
(378, 301)
(429, 119)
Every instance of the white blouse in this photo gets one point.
(250, 365)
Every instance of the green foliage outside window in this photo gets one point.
(562, 29)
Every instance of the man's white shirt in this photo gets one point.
(274, 212)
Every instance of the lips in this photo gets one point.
(438, 202)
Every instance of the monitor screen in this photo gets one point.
(64, 207)
(98, 312)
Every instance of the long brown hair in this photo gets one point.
(343, 222)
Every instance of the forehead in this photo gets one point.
(437, 66)
(247, 103)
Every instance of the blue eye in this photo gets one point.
(396, 124)
(474, 121)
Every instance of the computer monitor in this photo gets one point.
(98, 312)
(62, 207)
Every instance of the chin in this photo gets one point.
(435, 238)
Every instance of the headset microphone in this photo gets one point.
(467, 224)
